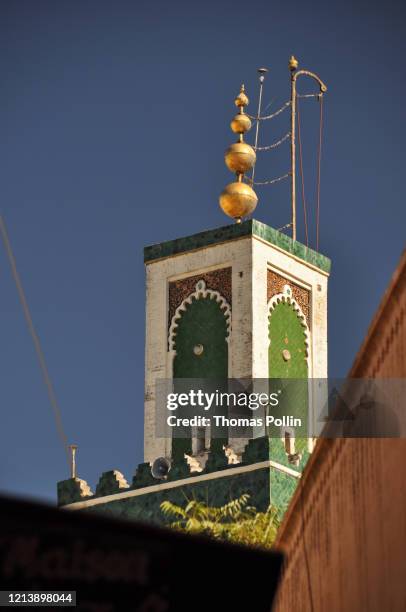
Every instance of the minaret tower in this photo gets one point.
(240, 301)
(243, 301)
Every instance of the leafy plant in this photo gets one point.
(234, 522)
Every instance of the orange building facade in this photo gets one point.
(344, 533)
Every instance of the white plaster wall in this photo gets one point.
(267, 256)
(249, 257)
(158, 362)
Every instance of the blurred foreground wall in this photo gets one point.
(344, 532)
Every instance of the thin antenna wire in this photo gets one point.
(302, 174)
(37, 345)
(318, 173)
(262, 72)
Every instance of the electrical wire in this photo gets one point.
(274, 144)
(280, 110)
(35, 339)
(302, 175)
(270, 182)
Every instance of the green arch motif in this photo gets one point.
(204, 323)
(287, 332)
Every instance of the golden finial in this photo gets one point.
(238, 199)
(242, 98)
(241, 122)
(293, 63)
(240, 157)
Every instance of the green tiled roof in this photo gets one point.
(232, 232)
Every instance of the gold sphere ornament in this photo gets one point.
(240, 157)
(241, 123)
(242, 98)
(238, 200)
(293, 63)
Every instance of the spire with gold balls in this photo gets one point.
(238, 199)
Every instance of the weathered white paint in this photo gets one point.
(249, 257)
(267, 256)
(158, 360)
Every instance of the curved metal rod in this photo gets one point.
(323, 88)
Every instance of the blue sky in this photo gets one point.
(114, 119)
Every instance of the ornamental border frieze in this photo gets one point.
(201, 291)
(275, 285)
(215, 280)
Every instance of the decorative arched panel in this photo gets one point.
(198, 338)
(288, 337)
(288, 358)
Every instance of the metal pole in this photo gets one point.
(295, 73)
(293, 151)
(262, 72)
(73, 449)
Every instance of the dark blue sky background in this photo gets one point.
(114, 119)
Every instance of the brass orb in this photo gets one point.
(238, 200)
(242, 98)
(240, 124)
(240, 157)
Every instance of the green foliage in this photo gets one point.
(234, 522)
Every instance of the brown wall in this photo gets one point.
(344, 534)
(383, 352)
